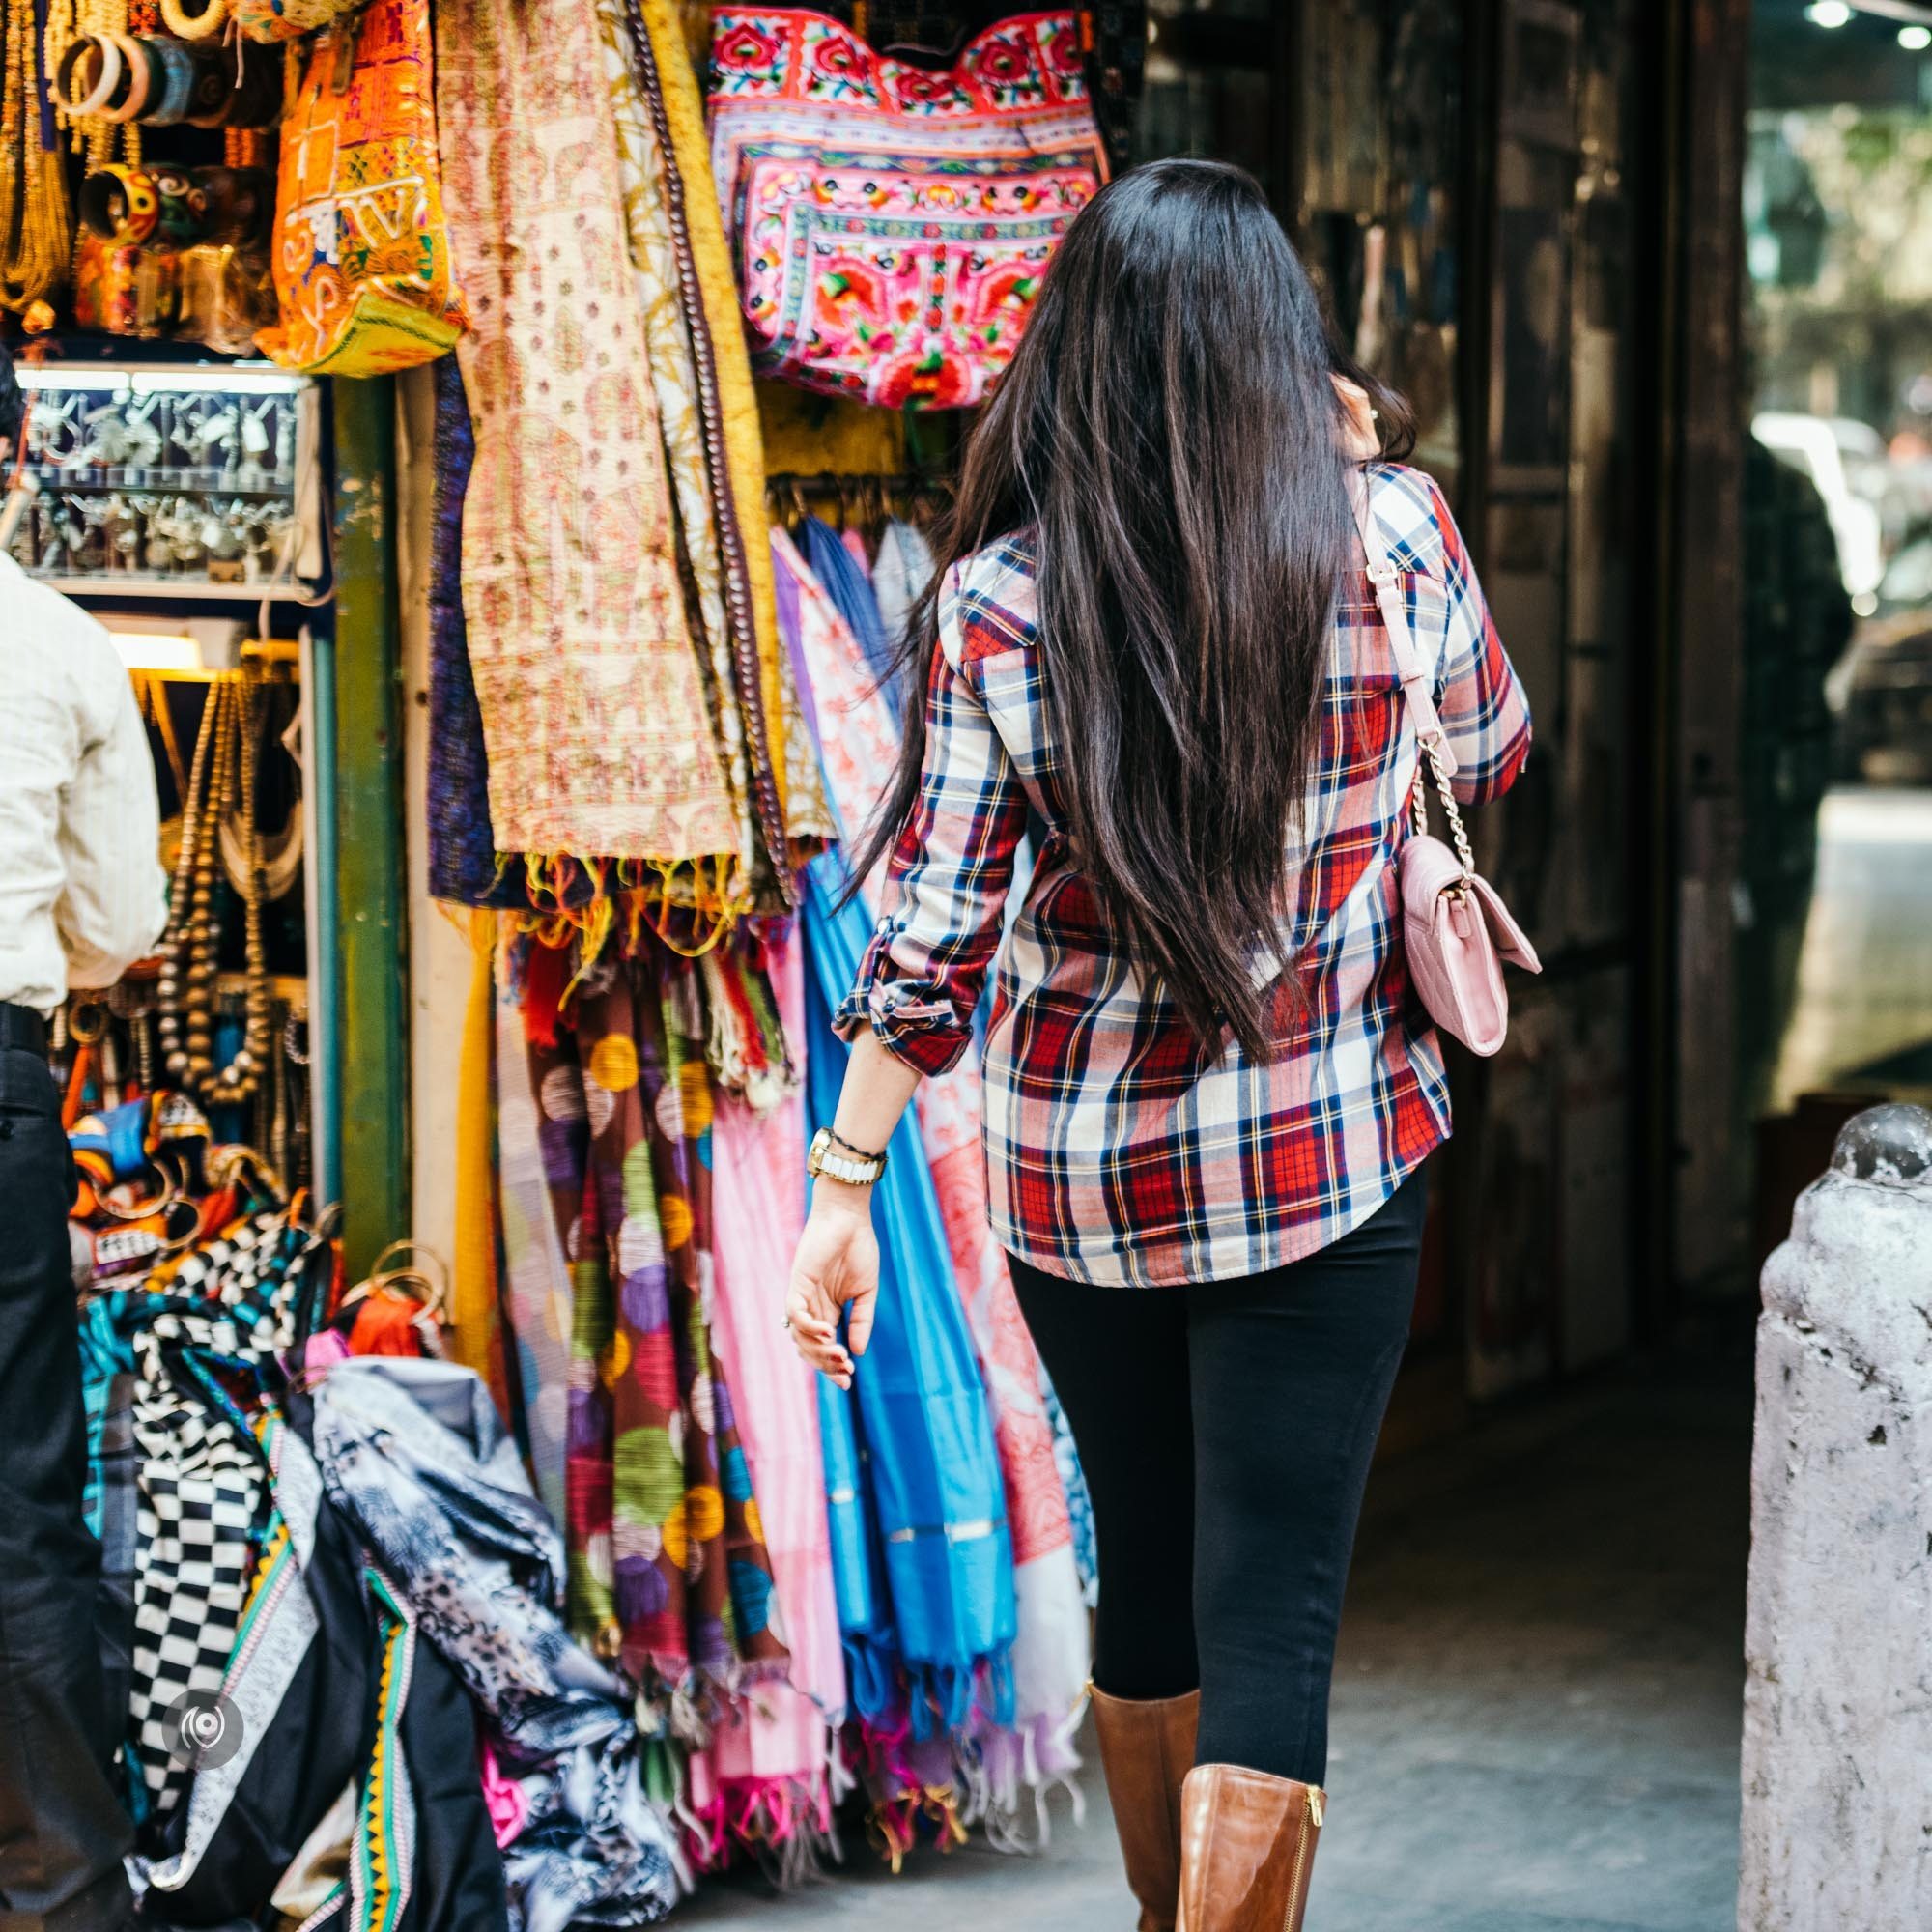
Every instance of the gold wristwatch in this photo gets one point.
(856, 1169)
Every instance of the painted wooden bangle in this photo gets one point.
(203, 24)
(120, 204)
(214, 83)
(106, 81)
(168, 102)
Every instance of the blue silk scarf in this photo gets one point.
(930, 1473)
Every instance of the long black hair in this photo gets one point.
(1169, 437)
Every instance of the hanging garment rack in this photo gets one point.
(860, 497)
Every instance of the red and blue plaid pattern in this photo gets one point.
(1117, 1148)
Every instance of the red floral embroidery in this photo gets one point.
(1064, 53)
(916, 84)
(1004, 60)
(839, 58)
(744, 46)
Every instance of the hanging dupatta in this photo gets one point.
(769, 1777)
(1052, 1654)
(599, 737)
(718, 600)
(930, 1462)
(667, 1555)
(930, 1469)
(539, 1176)
(847, 581)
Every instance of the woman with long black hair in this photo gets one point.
(1208, 1090)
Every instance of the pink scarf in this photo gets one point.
(770, 1774)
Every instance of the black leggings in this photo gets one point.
(1225, 1429)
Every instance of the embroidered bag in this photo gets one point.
(361, 254)
(891, 222)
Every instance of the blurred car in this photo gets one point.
(1882, 688)
(1844, 460)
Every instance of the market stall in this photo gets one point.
(565, 379)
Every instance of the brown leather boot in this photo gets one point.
(1247, 1842)
(1147, 1748)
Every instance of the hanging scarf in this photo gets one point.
(599, 738)
(539, 1181)
(930, 1465)
(668, 1560)
(728, 651)
(722, 360)
(847, 583)
(901, 573)
(767, 1776)
(1052, 1658)
(462, 862)
(475, 1336)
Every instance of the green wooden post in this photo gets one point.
(372, 1043)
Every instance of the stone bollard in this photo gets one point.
(1837, 1744)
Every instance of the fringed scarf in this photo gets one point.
(667, 1556)
(539, 1154)
(929, 1469)
(771, 1773)
(711, 545)
(1052, 1658)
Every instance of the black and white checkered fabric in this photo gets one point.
(201, 1509)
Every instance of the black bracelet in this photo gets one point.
(838, 1140)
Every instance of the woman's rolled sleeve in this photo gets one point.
(946, 887)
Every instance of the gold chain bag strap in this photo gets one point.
(1455, 930)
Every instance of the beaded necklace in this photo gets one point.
(224, 769)
(36, 222)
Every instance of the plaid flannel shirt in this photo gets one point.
(1118, 1150)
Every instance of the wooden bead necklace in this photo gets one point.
(224, 757)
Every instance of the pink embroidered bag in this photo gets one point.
(1457, 932)
(891, 221)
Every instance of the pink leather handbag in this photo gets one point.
(1455, 930)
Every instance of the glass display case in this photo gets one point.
(172, 481)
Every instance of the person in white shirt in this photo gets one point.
(82, 897)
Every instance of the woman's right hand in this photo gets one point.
(837, 1264)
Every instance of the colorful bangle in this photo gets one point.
(168, 103)
(214, 86)
(104, 88)
(140, 68)
(183, 206)
(204, 25)
(119, 204)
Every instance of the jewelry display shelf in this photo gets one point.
(124, 446)
(196, 589)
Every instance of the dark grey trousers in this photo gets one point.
(62, 1831)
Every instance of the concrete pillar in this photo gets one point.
(1838, 1742)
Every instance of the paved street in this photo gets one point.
(1536, 1714)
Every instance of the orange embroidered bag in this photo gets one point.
(363, 277)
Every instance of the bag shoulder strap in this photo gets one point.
(1418, 682)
